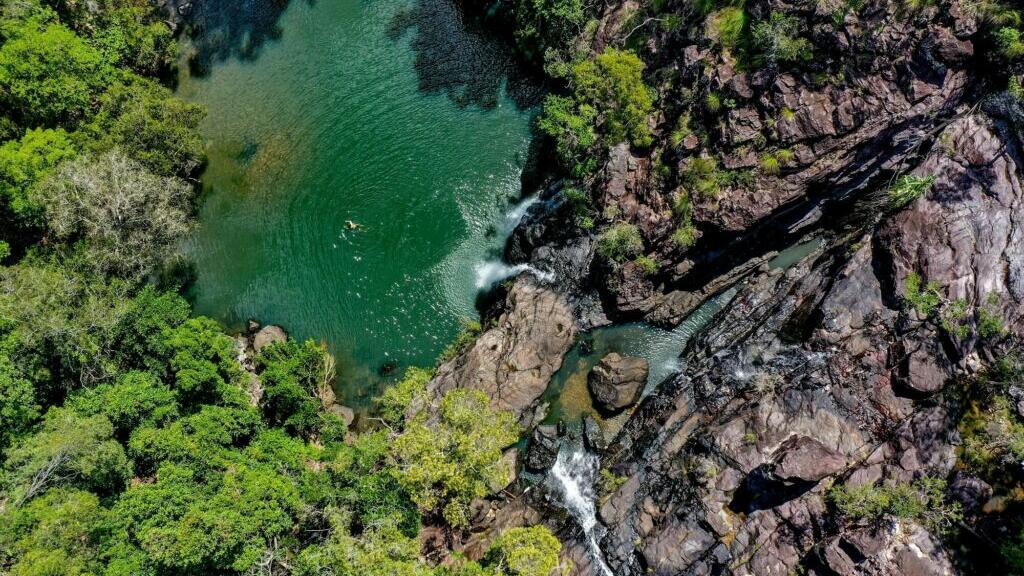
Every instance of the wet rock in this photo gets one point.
(616, 382)
(268, 335)
(593, 435)
(543, 448)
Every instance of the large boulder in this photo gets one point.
(806, 459)
(267, 336)
(617, 381)
(513, 361)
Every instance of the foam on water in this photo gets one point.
(572, 477)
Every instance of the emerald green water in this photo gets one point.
(390, 115)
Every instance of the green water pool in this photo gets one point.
(394, 116)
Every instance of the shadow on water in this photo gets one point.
(223, 29)
(457, 55)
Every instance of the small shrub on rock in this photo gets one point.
(620, 242)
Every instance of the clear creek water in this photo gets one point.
(390, 117)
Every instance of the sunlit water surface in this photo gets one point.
(386, 114)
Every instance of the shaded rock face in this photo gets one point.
(543, 448)
(616, 382)
(513, 361)
(729, 462)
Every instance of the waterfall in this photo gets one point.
(573, 477)
(489, 272)
(515, 215)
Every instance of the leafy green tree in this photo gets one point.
(230, 528)
(136, 399)
(445, 465)
(529, 551)
(69, 450)
(380, 551)
(18, 406)
(23, 164)
(206, 440)
(133, 37)
(202, 364)
(572, 125)
(291, 374)
(396, 400)
(146, 122)
(368, 489)
(548, 24)
(54, 323)
(49, 76)
(138, 338)
(129, 218)
(609, 104)
(61, 532)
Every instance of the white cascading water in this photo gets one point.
(515, 215)
(491, 271)
(573, 477)
(488, 273)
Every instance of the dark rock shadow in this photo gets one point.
(458, 55)
(761, 490)
(222, 29)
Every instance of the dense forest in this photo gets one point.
(139, 439)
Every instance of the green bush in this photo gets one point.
(713, 102)
(681, 131)
(1009, 42)
(647, 264)
(620, 242)
(685, 236)
(923, 298)
(777, 39)
(701, 175)
(609, 104)
(727, 26)
(770, 164)
(1015, 89)
(908, 188)
(923, 501)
